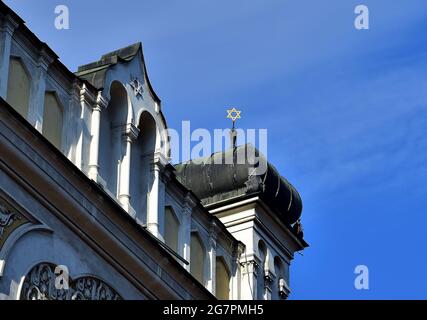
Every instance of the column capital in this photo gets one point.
(46, 57)
(158, 162)
(9, 24)
(238, 251)
(213, 233)
(101, 101)
(189, 201)
(214, 228)
(250, 266)
(86, 95)
(130, 132)
(160, 159)
(75, 91)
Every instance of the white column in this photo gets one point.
(249, 280)
(212, 266)
(154, 202)
(236, 272)
(87, 104)
(129, 135)
(73, 127)
(95, 127)
(186, 229)
(211, 283)
(6, 32)
(38, 89)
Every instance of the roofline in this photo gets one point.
(113, 58)
(154, 94)
(256, 196)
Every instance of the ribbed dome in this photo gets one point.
(213, 182)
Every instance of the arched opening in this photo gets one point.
(142, 157)
(222, 280)
(279, 271)
(113, 121)
(18, 87)
(171, 229)
(197, 258)
(41, 283)
(262, 256)
(52, 119)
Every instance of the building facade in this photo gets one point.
(88, 194)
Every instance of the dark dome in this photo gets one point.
(213, 182)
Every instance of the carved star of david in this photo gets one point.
(234, 114)
(137, 87)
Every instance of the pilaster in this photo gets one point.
(249, 279)
(95, 129)
(155, 212)
(213, 235)
(129, 134)
(187, 211)
(6, 32)
(38, 89)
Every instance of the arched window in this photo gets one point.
(171, 229)
(142, 158)
(18, 87)
(197, 258)
(111, 151)
(52, 119)
(40, 284)
(262, 255)
(222, 280)
(279, 271)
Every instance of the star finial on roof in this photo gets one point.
(234, 114)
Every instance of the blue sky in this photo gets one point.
(345, 112)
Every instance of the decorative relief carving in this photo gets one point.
(40, 284)
(9, 221)
(250, 267)
(136, 86)
(7, 218)
(89, 288)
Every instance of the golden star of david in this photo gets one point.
(234, 114)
